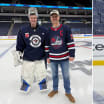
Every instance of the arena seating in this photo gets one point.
(98, 17)
(4, 28)
(77, 28)
(16, 28)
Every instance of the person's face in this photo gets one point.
(54, 18)
(33, 20)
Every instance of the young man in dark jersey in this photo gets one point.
(31, 44)
(61, 50)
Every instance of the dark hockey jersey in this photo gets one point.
(31, 42)
(60, 44)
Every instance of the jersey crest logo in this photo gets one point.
(56, 42)
(35, 41)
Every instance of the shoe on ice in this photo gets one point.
(52, 93)
(25, 87)
(70, 97)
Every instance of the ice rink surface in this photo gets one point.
(98, 75)
(80, 75)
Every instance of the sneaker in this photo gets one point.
(52, 93)
(43, 85)
(25, 87)
(70, 97)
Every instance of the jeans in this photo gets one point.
(64, 64)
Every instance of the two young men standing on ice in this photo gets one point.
(59, 47)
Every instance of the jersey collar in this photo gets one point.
(56, 29)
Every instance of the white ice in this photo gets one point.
(98, 76)
(81, 80)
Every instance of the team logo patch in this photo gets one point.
(26, 35)
(35, 41)
(56, 42)
(71, 36)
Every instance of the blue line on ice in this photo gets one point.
(3, 53)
